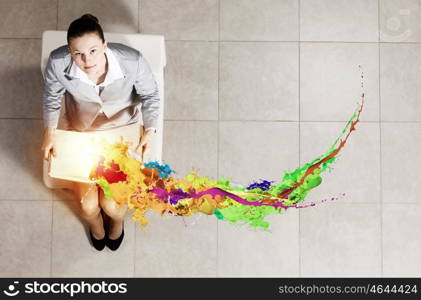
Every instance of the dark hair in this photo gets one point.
(83, 25)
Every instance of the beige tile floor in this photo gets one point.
(253, 89)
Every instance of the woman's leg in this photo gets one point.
(91, 212)
(116, 213)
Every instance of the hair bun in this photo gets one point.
(90, 17)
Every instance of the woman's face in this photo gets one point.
(88, 52)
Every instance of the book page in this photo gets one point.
(76, 155)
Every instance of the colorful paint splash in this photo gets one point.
(152, 186)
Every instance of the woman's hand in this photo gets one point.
(143, 146)
(48, 145)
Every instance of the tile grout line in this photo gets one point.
(259, 121)
(380, 144)
(299, 129)
(138, 15)
(294, 41)
(35, 200)
(250, 41)
(141, 22)
(217, 134)
(57, 2)
(289, 41)
(283, 121)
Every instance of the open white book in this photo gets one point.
(76, 156)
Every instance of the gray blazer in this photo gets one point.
(119, 100)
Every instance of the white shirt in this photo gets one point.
(114, 73)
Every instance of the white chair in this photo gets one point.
(153, 49)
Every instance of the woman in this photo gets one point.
(103, 84)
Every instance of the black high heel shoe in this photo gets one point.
(98, 244)
(115, 244)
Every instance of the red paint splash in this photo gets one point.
(112, 174)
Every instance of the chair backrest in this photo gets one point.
(153, 49)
